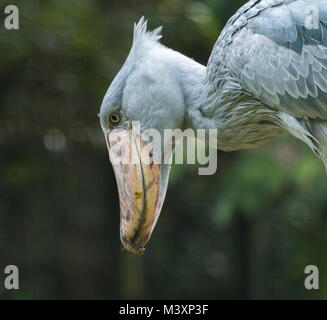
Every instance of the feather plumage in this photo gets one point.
(270, 51)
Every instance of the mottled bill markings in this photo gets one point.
(138, 183)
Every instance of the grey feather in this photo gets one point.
(268, 50)
(286, 56)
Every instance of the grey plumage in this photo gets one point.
(268, 51)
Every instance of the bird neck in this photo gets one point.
(191, 78)
(221, 103)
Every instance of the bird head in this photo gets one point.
(143, 98)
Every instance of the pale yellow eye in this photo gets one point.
(114, 118)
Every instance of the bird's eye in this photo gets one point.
(114, 118)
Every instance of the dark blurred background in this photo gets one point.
(246, 232)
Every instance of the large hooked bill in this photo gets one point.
(142, 183)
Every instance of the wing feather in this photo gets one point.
(269, 49)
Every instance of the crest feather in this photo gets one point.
(141, 33)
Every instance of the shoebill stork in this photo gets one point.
(267, 73)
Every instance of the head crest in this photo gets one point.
(142, 34)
